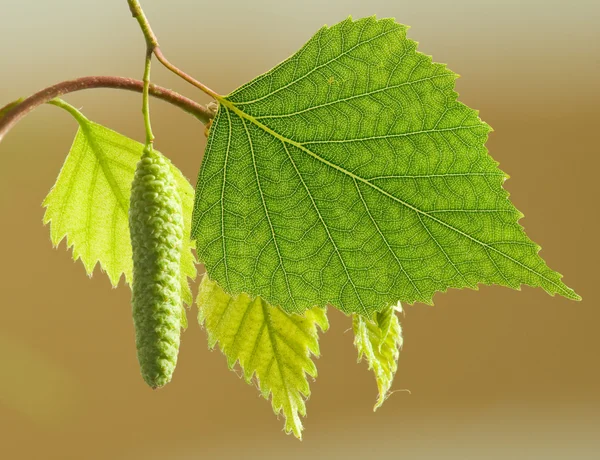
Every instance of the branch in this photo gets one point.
(152, 44)
(14, 115)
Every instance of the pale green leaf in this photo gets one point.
(89, 203)
(379, 341)
(273, 346)
(350, 175)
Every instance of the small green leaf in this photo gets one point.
(8, 107)
(379, 341)
(350, 175)
(269, 344)
(90, 201)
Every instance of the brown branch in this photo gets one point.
(14, 115)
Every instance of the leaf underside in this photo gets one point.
(350, 175)
(89, 204)
(273, 346)
(379, 341)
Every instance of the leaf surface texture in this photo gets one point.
(271, 345)
(350, 175)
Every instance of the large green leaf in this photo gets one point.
(349, 174)
(379, 341)
(89, 203)
(269, 344)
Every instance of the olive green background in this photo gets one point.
(491, 374)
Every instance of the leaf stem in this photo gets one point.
(81, 119)
(152, 43)
(19, 111)
(163, 60)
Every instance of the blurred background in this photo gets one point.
(492, 374)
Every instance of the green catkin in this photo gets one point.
(156, 228)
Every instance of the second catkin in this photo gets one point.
(156, 229)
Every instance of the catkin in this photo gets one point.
(156, 228)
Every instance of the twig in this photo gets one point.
(146, 98)
(152, 43)
(14, 115)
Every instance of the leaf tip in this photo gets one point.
(572, 295)
(379, 403)
(297, 432)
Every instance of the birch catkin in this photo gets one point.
(156, 227)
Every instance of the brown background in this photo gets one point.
(492, 374)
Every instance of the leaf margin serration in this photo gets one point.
(211, 298)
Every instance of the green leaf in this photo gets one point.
(90, 201)
(269, 344)
(8, 107)
(379, 341)
(350, 175)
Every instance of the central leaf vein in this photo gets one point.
(302, 146)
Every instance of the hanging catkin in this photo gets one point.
(156, 227)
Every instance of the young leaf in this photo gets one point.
(8, 107)
(350, 174)
(379, 341)
(90, 201)
(269, 344)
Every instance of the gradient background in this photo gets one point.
(493, 374)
